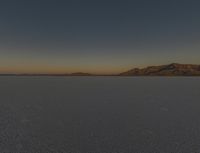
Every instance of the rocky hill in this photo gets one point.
(173, 69)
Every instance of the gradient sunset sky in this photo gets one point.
(97, 36)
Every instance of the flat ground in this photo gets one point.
(99, 114)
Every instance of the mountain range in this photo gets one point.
(173, 69)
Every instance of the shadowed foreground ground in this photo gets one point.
(99, 115)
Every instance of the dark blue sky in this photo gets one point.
(97, 36)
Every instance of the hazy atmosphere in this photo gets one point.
(107, 36)
(100, 76)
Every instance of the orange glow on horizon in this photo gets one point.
(37, 69)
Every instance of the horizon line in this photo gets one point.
(82, 73)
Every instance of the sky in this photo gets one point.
(97, 36)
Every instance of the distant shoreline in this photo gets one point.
(12, 75)
(170, 70)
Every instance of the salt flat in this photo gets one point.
(99, 114)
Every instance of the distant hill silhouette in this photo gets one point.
(173, 69)
(80, 74)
